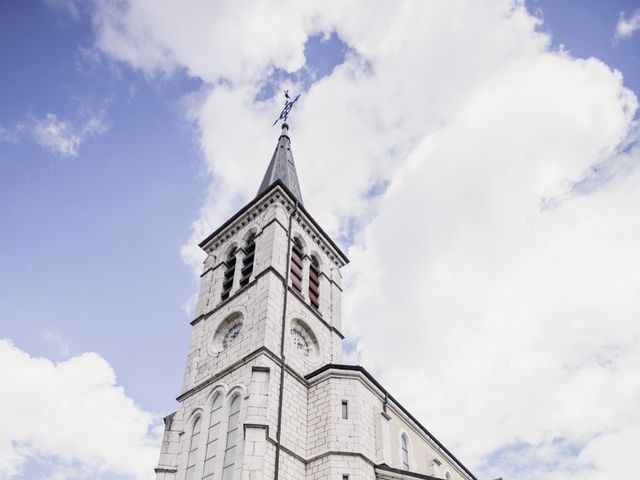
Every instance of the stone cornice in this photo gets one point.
(243, 361)
(210, 269)
(277, 192)
(215, 377)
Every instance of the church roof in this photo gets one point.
(282, 167)
(388, 396)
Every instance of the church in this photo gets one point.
(265, 395)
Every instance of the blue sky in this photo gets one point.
(102, 237)
(92, 230)
(95, 239)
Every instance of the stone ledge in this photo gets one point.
(244, 360)
(262, 426)
(257, 368)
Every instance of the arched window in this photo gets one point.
(296, 265)
(314, 282)
(247, 261)
(193, 450)
(447, 475)
(214, 435)
(405, 451)
(230, 270)
(232, 439)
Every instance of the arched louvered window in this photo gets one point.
(229, 272)
(214, 436)
(232, 439)
(193, 450)
(314, 283)
(247, 261)
(405, 451)
(296, 265)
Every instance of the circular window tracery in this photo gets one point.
(226, 334)
(300, 342)
(231, 335)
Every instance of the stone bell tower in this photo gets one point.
(265, 396)
(268, 313)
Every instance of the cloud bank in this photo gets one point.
(486, 182)
(70, 418)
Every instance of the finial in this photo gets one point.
(288, 105)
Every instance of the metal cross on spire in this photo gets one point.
(288, 105)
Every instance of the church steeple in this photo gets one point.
(264, 394)
(282, 167)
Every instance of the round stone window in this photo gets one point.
(300, 342)
(227, 333)
(304, 341)
(231, 335)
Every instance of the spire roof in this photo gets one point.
(282, 167)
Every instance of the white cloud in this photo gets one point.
(148, 37)
(521, 321)
(56, 136)
(626, 27)
(493, 285)
(71, 415)
(64, 137)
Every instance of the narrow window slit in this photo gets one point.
(229, 273)
(193, 450)
(232, 439)
(296, 265)
(247, 262)
(212, 440)
(314, 283)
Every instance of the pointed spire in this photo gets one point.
(282, 167)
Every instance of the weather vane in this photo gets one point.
(288, 105)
